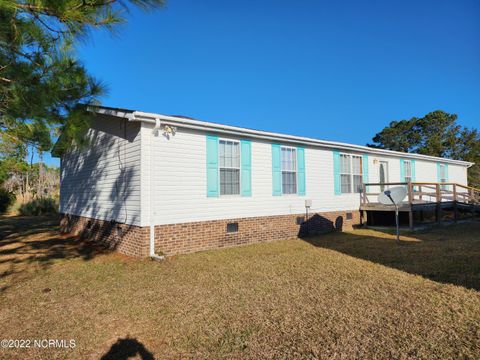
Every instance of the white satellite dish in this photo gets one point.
(393, 196)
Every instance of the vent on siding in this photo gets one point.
(349, 216)
(232, 227)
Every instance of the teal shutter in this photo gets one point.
(336, 173)
(412, 165)
(365, 168)
(402, 170)
(212, 166)
(438, 173)
(276, 171)
(301, 170)
(246, 177)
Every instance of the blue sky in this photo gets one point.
(334, 70)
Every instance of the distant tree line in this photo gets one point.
(435, 134)
(22, 180)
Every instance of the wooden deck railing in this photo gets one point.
(424, 192)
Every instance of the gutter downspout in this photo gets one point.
(153, 256)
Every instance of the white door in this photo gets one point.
(383, 175)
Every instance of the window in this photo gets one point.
(443, 176)
(229, 165)
(357, 173)
(289, 170)
(407, 166)
(351, 173)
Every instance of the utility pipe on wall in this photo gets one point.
(153, 256)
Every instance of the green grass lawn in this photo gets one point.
(341, 296)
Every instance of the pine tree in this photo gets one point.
(43, 87)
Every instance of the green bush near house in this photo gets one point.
(6, 200)
(40, 206)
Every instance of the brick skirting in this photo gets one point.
(127, 239)
(205, 235)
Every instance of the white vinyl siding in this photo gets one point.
(289, 170)
(229, 167)
(350, 173)
(102, 180)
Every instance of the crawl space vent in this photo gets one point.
(232, 227)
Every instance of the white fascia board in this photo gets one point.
(265, 135)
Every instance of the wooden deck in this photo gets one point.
(423, 197)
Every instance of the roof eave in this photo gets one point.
(234, 130)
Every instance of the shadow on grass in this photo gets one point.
(26, 241)
(127, 348)
(446, 254)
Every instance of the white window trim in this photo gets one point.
(351, 156)
(296, 169)
(234, 168)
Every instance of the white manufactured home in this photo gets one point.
(149, 183)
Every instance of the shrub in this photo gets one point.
(40, 206)
(6, 200)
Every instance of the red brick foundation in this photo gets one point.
(205, 235)
(126, 239)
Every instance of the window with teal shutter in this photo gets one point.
(276, 170)
(365, 168)
(212, 166)
(442, 174)
(336, 173)
(414, 177)
(402, 170)
(246, 155)
(301, 171)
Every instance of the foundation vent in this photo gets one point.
(232, 227)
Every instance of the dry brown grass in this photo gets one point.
(285, 299)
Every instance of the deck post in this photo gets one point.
(410, 193)
(438, 212)
(472, 202)
(455, 207)
(363, 218)
(410, 219)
